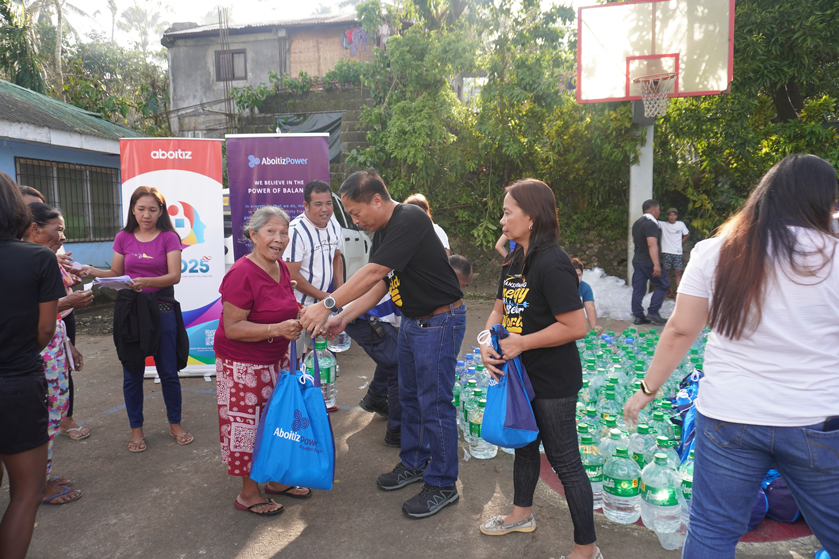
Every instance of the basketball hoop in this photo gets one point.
(654, 91)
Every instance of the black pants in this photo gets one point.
(70, 323)
(558, 434)
(382, 350)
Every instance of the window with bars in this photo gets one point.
(231, 65)
(87, 196)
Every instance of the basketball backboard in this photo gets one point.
(621, 41)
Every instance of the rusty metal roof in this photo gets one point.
(241, 28)
(21, 105)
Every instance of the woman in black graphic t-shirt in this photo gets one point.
(538, 303)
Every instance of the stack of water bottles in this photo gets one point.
(470, 390)
(636, 471)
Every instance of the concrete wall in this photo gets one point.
(315, 51)
(349, 101)
(192, 67)
(97, 254)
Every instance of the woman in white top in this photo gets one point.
(768, 287)
(421, 202)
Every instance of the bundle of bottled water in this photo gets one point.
(635, 471)
(470, 390)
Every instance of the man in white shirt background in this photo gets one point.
(313, 254)
(673, 234)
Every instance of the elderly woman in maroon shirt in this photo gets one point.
(259, 317)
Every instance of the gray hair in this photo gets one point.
(259, 218)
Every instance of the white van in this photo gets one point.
(356, 251)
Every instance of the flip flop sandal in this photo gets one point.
(286, 492)
(78, 437)
(60, 481)
(239, 506)
(141, 446)
(182, 439)
(48, 500)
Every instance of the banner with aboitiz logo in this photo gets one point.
(189, 174)
(271, 170)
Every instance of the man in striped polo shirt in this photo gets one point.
(313, 254)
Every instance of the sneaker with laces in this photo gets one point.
(495, 526)
(399, 477)
(430, 501)
(374, 403)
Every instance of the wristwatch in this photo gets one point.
(329, 303)
(646, 390)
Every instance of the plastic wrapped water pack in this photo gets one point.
(613, 298)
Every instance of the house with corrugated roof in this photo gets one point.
(72, 157)
(206, 61)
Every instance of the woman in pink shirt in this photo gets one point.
(259, 318)
(149, 251)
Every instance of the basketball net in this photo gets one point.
(654, 91)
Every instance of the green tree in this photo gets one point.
(20, 60)
(145, 22)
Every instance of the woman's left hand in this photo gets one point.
(635, 404)
(139, 283)
(78, 360)
(512, 346)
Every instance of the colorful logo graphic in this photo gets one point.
(188, 224)
(253, 161)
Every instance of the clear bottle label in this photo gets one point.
(475, 429)
(327, 374)
(687, 489)
(594, 472)
(621, 487)
(659, 496)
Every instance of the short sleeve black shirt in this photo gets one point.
(422, 279)
(29, 276)
(531, 300)
(641, 231)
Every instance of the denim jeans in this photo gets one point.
(731, 461)
(428, 349)
(166, 362)
(555, 418)
(642, 274)
(383, 352)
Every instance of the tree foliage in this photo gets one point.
(20, 61)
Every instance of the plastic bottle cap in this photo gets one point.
(482, 403)
(586, 439)
(691, 454)
(320, 343)
(469, 356)
(658, 416)
(480, 367)
(615, 434)
(611, 421)
(639, 368)
(585, 384)
(661, 459)
(460, 363)
(591, 411)
(477, 393)
(601, 371)
(643, 429)
(622, 452)
(472, 383)
(582, 428)
(661, 440)
(610, 394)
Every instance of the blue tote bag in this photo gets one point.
(508, 418)
(294, 441)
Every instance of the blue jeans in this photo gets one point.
(642, 274)
(731, 461)
(383, 352)
(428, 349)
(166, 362)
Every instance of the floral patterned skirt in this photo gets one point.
(58, 386)
(244, 390)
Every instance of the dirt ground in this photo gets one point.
(177, 502)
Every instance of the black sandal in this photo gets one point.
(286, 492)
(239, 506)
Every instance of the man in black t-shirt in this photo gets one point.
(408, 260)
(646, 235)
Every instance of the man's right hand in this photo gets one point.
(656, 271)
(334, 326)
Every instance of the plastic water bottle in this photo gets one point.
(471, 404)
(478, 447)
(327, 364)
(686, 493)
(476, 356)
(660, 509)
(641, 443)
(594, 423)
(608, 407)
(609, 445)
(482, 377)
(593, 464)
(661, 424)
(456, 391)
(621, 488)
(582, 429)
(469, 360)
(664, 446)
(465, 395)
(339, 343)
(460, 373)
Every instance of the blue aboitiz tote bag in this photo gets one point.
(294, 441)
(508, 418)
